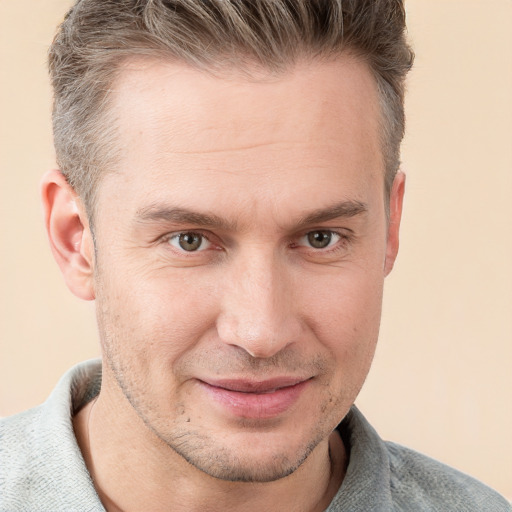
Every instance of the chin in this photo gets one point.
(249, 457)
(247, 469)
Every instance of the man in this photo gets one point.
(229, 196)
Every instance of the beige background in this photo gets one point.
(442, 379)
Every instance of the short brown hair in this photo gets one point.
(98, 35)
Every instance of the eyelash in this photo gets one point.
(344, 239)
(171, 236)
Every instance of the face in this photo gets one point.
(241, 249)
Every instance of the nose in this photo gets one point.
(258, 313)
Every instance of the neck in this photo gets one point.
(132, 470)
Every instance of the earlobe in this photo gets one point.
(395, 215)
(69, 234)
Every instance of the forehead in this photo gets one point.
(205, 111)
(311, 128)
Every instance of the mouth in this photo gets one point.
(255, 399)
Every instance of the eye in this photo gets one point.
(189, 241)
(320, 239)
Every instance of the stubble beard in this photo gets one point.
(202, 449)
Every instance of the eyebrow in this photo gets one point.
(344, 209)
(176, 215)
(156, 213)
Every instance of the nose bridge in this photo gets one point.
(257, 313)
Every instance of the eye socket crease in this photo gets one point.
(201, 243)
(178, 221)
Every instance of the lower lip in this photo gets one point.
(256, 405)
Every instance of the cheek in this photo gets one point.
(346, 319)
(152, 318)
(145, 331)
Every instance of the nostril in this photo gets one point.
(257, 338)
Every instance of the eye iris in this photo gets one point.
(319, 239)
(190, 241)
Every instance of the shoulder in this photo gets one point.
(22, 458)
(425, 484)
(18, 440)
(383, 476)
(41, 467)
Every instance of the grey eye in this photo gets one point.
(319, 239)
(189, 241)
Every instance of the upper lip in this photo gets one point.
(255, 386)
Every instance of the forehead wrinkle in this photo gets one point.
(226, 149)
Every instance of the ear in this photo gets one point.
(69, 233)
(395, 214)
